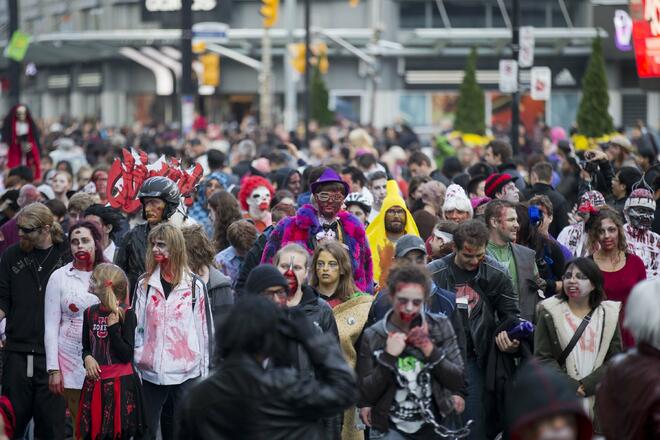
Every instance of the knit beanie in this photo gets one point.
(455, 198)
(263, 277)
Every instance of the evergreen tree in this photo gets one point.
(470, 113)
(319, 97)
(593, 119)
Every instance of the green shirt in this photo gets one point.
(504, 255)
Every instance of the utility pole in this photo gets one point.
(266, 96)
(290, 117)
(373, 69)
(515, 98)
(14, 66)
(187, 86)
(307, 68)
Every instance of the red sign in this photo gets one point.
(646, 36)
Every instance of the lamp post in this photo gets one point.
(515, 98)
(14, 66)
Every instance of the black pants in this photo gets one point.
(31, 398)
(155, 397)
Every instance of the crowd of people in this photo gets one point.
(364, 286)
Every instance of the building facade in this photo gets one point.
(111, 59)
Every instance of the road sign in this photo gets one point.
(18, 46)
(508, 76)
(526, 54)
(210, 32)
(541, 83)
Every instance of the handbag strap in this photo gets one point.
(576, 337)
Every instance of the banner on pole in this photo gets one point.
(526, 53)
(541, 83)
(508, 76)
(18, 46)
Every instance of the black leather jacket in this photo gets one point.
(377, 371)
(497, 300)
(242, 400)
(132, 253)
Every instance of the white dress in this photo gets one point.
(67, 297)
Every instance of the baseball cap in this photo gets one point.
(408, 243)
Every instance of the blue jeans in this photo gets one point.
(474, 407)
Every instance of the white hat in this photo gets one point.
(47, 191)
(640, 197)
(455, 198)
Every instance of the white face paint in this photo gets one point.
(510, 193)
(259, 199)
(576, 284)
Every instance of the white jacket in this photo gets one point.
(66, 299)
(171, 338)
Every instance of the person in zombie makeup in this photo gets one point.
(325, 220)
(21, 134)
(642, 241)
(66, 299)
(174, 325)
(24, 272)
(160, 198)
(392, 222)
(409, 363)
(559, 317)
(621, 269)
(292, 262)
(574, 237)
(482, 285)
(255, 195)
(503, 187)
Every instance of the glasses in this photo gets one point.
(578, 276)
(25, 230)
(281, 292)
(330, 197)
(415, 302)
(331, 265)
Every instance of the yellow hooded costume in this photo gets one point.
(378, 241)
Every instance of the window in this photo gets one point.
(412, 14)
(464, 13)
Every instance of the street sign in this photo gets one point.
(526, 53)
(541, 83)
(210, 32)
(508, 76)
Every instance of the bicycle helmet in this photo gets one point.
(161, 188)
(357, 198)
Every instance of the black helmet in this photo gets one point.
(161, 188)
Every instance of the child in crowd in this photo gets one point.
(111, 401)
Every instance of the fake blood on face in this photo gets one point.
(82, 260)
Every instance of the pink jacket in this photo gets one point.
(171, 337)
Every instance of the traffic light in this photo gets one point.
(298, 57)
(211, 75)
(321, 53)
(269, 10)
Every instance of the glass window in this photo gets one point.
(412, 14)
(413, 107)
(463, 14)
(533, 14)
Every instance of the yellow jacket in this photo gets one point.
(378, 241)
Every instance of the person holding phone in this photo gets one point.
(409, 364)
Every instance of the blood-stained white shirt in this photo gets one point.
(66, 299)
(646, 245)
(172, 336)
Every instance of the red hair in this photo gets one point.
(248, 185)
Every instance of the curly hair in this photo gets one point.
(248, 185)
(595, 222)
(226, 210)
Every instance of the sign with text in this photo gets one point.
(168, 12)
(540, 83)
(646, 36)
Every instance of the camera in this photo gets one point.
(589, 166)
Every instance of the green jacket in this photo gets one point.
(548, 348)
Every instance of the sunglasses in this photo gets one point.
(25, 230)
(327, 197)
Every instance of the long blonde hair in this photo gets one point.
(176, 245)
(111, 286)
(346, 287)
(37, 215)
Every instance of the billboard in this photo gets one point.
(646, 36)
